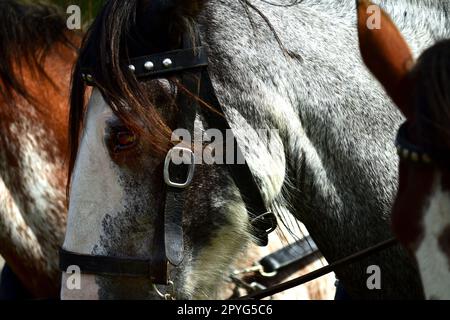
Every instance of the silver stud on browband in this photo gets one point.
(149, 65)
(414, 156)
(426, 158)
(167, 63)
(405, 153)
(132, 68)
(89, 78)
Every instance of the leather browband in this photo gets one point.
(162, 64)
(177, 61)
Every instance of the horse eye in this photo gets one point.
(124, 140)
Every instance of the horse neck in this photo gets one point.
(327, 164)
(430, 17)
(409, 15)
(33, 173)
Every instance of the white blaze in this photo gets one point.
(433, 263)
(95, 192)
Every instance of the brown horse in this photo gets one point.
(421, 90)
(36, 56)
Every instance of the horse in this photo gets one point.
(326, 158)
(420, 89)
(36, 58)
(37, 53)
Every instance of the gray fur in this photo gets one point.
(336, 124)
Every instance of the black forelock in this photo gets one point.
(27, 33)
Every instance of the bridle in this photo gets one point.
(190, 64)
(412, 152)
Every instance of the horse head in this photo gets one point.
(421, 90)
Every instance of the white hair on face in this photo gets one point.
(95, 192)
(91, 197)
(434, 264)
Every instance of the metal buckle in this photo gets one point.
(191, 165)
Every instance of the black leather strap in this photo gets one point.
(262, 220)
(182, 60)
(289, 255)
(105, 265)
(174, 205)
(173, 226)
(159, 261)
(276, 267)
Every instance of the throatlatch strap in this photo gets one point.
(262, 220)
(294, 253)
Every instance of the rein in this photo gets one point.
(321, 272)
(275, 267)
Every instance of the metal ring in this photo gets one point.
(267, 274)
(166, 296)
(256, 268)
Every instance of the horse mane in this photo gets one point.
(123, 29)
(432, 96)
(27, 33)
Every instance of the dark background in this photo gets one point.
(89, 8)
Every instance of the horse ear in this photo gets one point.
(166, 19)
(386, 53)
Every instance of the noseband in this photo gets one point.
(190, 63)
